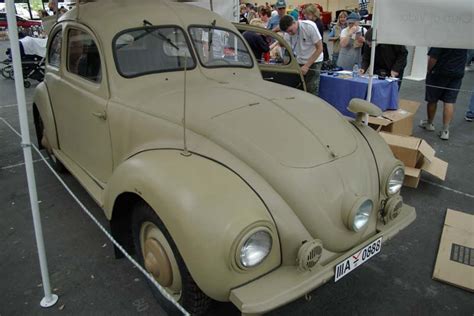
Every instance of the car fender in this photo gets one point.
(43, 104)
(207, 209)
(384, 157)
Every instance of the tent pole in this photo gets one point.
(211, 5)
(372, 58)
(49, 298)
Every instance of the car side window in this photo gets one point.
(83, 58)
(54, 55)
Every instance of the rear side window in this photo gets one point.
(54, 54)
(151, 50)
(83, 58)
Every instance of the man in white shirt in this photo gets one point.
(307, 45)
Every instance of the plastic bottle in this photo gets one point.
(355, 71)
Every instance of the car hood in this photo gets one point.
(294, 128)
(294, 132)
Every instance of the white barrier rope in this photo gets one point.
(102, 228)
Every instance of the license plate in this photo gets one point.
(357, 259)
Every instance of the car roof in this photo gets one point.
(108, 17)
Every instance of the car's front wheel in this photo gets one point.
(158, 254)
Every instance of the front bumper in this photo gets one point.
(286, 283)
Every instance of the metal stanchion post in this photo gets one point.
(49, 298)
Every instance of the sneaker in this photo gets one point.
(469, 118)
(428, 126)
(444, 135)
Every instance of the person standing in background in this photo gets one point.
(251, 12)
(243, 14)
(470, 57)
(263, 16)
(364, 8)
(274, 23)
(443, 81)
(335, 35)
(274, 11)
(307, 45)
(311, 12)
(53, 6)
(390, 60)
(352, 40)
(470, 111)
(295, 13)
(257, 42)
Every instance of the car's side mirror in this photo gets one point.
(361, 107)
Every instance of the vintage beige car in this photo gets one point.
(227, 187)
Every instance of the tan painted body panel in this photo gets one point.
(82, 134)
(263, 154)
(41, 99)
(205, 206)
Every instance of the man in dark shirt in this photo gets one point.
(443, 81)
(390, 60)
(258, 43)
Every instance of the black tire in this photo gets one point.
(39, 127)
(192, 298)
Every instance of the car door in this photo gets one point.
(79, 97)
(282, 67)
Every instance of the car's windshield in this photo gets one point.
(218, 47)
(152, 50)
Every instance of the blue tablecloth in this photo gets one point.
(338, 92)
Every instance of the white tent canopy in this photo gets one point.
(229, 9)
(429, 23)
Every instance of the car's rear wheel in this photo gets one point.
(43, 142)
(158, 254)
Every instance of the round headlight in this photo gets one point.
(255, 249)
(395, 181)
(362, 215)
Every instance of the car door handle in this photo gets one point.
(101, 115)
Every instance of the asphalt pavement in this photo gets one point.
(90, 281)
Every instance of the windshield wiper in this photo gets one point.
(160, 35)
(211, 35)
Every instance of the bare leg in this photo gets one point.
(431, 111)
(448, 114)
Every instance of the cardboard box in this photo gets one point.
(417, 155)
(398, 122)
(455, 260)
